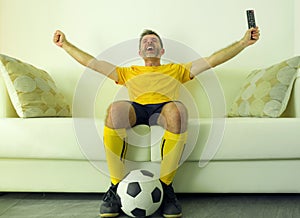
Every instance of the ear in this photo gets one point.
(162, 51)
(140, 53)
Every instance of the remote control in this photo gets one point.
(250, 18)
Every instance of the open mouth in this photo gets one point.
(150, 48)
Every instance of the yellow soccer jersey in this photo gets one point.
(154, 84)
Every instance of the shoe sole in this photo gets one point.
(172, 215)
(109, 215)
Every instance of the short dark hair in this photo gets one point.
(150, 32)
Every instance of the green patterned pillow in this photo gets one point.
(266, 92)
(32, 91)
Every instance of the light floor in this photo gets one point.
(63, 205)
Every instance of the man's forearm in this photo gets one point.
(226, 54)
(79, 55)
(251, 36)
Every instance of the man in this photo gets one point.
(153, 91)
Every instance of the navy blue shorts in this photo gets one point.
(147, 114)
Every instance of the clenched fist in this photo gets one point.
(59, 38)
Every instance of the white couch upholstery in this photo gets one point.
(237, 154)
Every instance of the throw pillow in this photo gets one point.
(266, 92)
(32, 91)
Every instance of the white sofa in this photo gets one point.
(248, 155)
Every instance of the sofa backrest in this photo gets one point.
(293, 108)
(209, 95)
(6, 108)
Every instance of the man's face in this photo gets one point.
(150, 47)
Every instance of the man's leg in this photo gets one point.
(115, 150)
(174, 119)
(171, 150)
(120, 115)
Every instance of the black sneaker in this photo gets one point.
(170, 205)
(110, 206)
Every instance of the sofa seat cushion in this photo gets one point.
(216, 139)
(38, 138)
(239, 139)
(253, 139)
(58, 138)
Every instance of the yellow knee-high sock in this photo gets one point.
(115, 148)
(171, 150)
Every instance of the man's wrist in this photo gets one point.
(65, 45)
(243, 43)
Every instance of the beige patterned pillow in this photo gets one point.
(266, 92)
(32, 91)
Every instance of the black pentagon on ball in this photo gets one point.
(133, 189)
(137, 212)
(156, 195)
(147, 173)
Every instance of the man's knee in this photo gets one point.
(176, 110)
(120, 114)
(174, 117)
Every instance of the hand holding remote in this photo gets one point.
(251, 20)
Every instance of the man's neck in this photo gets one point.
(152, 62)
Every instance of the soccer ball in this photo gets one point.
(140, 193)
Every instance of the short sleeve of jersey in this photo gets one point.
(186, 72)
(122, 72)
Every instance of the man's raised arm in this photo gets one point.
(84, 58)
(251, 36)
